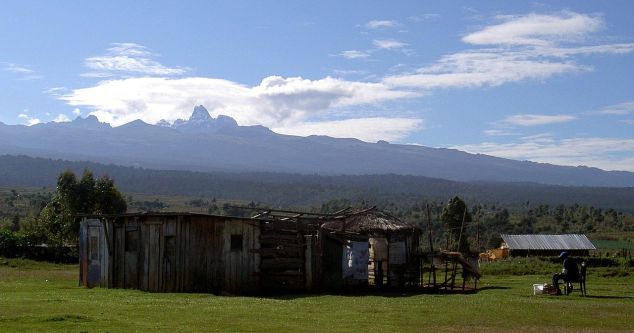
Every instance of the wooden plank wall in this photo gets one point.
(241, 265)
(183, 253)
(104, 255)
(197, 246)
(130, 245)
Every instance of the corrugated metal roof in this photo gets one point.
(548, 242)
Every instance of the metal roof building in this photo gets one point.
(575, 244)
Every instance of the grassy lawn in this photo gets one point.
(45, 297)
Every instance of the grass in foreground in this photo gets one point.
(45, 297)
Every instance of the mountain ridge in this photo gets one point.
(204, 143)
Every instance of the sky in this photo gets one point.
(546, 82)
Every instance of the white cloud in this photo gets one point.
(354, 54)
(541, 138)
(124, 59)
(23, 72)
(349, 72)
(388, 44)
(605, 153)
(624, 108)
(376, 24)
(523, 48)
(77, 111)
(14, 68)
(563, 52)
(424, 17)
(55, 91)
(275, 102)
(497, 132)
(30, 121)
(366, 129)
(472, 69)
(537, 119)
(536, 29)
(61, 118)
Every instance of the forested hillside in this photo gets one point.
(286, 190)
(29, 188)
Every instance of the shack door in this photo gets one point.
(94, 256)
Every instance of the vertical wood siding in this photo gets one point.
(174, 253)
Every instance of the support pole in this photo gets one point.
(431, 245)
(455, 263)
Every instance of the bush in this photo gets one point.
(521, 266)
(16, 244)
(11, 243)
(602, 262)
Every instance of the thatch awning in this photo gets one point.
(369, 221)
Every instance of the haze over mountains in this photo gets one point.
(204, 143)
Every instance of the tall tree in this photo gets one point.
(86, 196)
(107, 199)
(452, 215)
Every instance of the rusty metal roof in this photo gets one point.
(548, 242)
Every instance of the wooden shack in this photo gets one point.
(273, 251)
(170, 252)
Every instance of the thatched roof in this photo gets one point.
(369, 221)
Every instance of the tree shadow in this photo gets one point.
(608, 297)
(361, 293)
(386, 293)
(493, 288)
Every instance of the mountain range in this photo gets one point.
(204, 143)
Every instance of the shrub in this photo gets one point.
(11, 243)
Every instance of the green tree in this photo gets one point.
(452, 215)
(85, 195)
(58, 219)
(15, 223)
(107, 199)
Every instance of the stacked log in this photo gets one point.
(282, 257)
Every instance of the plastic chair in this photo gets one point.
(568, 285)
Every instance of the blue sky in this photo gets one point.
(523, 80)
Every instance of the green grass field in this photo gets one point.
(45, 297)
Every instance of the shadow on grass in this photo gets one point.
(385, 294)
(382, 293)
(493, 288)
(608, 297)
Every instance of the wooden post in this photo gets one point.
(431, 245)
(309, 262)
(478, 231)
(453, 273)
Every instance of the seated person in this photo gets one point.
(570, 273)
